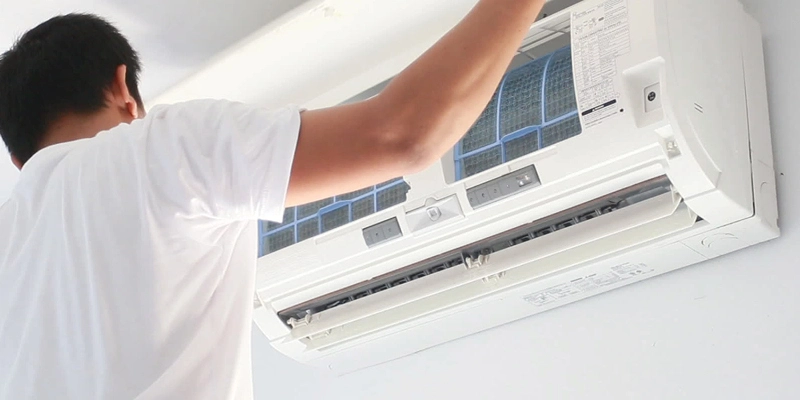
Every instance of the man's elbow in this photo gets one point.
(415, 148)
(415, 137)
(406, 155)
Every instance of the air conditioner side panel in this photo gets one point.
(707, 99)
(763, 226)
(761, 154)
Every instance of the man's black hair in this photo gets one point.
(65, 65)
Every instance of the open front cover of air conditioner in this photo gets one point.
(628, 139)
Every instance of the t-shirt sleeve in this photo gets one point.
(221, 159)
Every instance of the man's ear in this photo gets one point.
(121, 93)
(17, 162)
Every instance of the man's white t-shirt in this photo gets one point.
(127, 261)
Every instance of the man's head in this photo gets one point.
(69, 78)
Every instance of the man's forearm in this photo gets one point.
(442, 93)
(421, 115)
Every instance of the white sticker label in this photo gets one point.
(599, 36)
(589, 283)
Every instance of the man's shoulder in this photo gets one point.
(195, 105)
(204, 108)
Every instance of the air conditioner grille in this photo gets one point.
(533, 100)
(484, 132)
(482, 161)
(310, 220)
(560, 131)
(521, 97)
(522, 146)
(560, 87)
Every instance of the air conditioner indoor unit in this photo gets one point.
(630, 138)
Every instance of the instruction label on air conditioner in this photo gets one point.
(588, 283)
(599, 36)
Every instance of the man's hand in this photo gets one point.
(421, 115)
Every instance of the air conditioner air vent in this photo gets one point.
(469, 255)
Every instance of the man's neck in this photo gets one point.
(72, 127)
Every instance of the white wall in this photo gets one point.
(726, 329)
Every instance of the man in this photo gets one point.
(128, 247)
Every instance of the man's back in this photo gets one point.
(119, 278)
(127, 258)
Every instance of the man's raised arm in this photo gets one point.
(422, 114)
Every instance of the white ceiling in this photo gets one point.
(175, 38)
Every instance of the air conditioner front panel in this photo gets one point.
(564, 167)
